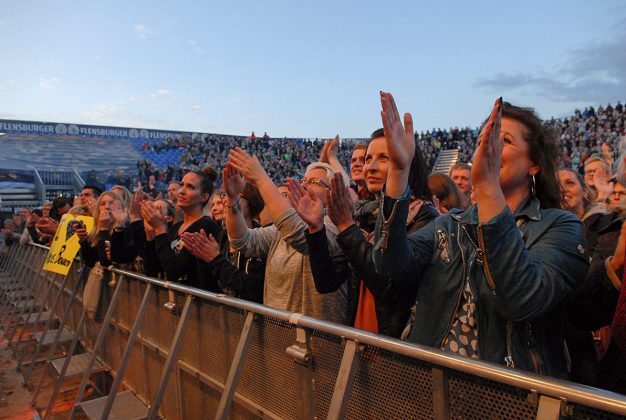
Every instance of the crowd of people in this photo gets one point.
(583, 134)
(515, 256)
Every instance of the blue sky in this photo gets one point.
(304, 69)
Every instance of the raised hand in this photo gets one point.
(47, 225)
(233, 181)
(488, 156)
(104, 219)
(135, 205)
(119, 214)
(92, 205)
(400, 139)
(248, 166)
(324, 152)
(308, 206)
(153, 217)
(340, 203)
(603, 186)
(486, 167)
(329, 150)
(201, 246)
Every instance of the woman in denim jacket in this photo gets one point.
(490, 280)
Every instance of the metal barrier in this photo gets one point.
(220, 357)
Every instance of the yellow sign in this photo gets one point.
(65, 244)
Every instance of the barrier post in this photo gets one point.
(303, 359)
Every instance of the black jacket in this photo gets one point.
(392, 306)
(237, 274)
(178, 264)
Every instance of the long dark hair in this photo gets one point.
(543, 151)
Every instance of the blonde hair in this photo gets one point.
(93, 236)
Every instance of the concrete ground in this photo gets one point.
(15, 396)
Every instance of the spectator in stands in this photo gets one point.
(372, 304)
(447, 193)
(288, 279)
(461, 174)
(177, 262)
(490, 280)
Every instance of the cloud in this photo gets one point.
(594, 73)
(142, 31)
(195, 107)
(109, 114)
(160, 92)
(45, 83)
(6, 83)
(195, 47)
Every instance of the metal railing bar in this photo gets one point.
(170, 361)
(139, 318)
(47, 326)
(236, 367)
(576, 393)
(98, 343)
(52, 349)
(343, 384)
(37, 319)
(217, 386)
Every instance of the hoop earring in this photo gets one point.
(533, 186)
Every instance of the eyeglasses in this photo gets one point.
(314, 181)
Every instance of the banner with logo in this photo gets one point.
(65, 244)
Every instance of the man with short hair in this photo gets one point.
(357, 161)
(172, 191)
(461, 174)
(88, 197)
(596, 166)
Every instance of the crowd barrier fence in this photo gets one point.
(187, 353)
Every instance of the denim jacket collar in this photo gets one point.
(529, 209)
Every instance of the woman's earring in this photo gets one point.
(533, 186)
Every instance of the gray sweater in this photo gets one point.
(289, 282)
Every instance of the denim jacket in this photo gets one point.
(520, 268)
